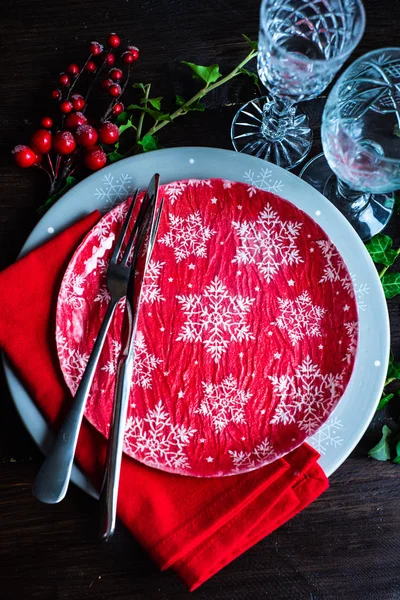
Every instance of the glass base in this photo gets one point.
(288, 148)
(367, 221)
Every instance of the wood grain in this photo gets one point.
(344, 547)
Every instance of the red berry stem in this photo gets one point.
(51, 165)
(78, 77)
(116, 100)
(39, 166)
(95, 78)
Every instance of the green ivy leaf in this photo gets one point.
(139, 86)
(384, 400)
(380, 249)
(391, 284)
(149, 143)
(250, 74)
(198, 105)
(253, 44)
(128, 125)
(157, 115)
(123, 118)
(382, 451)
(115, 156)
(396, 460)
(69, 183)
(393, 370)
(208, 74)
(155, 102)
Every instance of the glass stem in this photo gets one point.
(350, 201)
(276, 118)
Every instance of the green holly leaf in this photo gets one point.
(208, 74)
(149, 143)
(384, 400)
(253, 44)
(396, 460)
(157, 115)
(380, 249)
(250, 74)
(382, 451)
(69, 183)
(115, 156)
(155, 102)
(391, 284)
(198, 105)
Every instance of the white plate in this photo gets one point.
(336, 438)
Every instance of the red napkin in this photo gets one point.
(195, 526)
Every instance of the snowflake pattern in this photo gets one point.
(268, 242)
(305, 397)
(157, 439)
(71, 293)
(262, 180)
(111, 366)
(151, 290)
(74, 365)
(299, 317)
(224, 403)
(351, 330)
(103, 295)
(251, 460)
(144, 363)
(187, 236)
(215, 318)
(327, 435)
(61, 340)
(114, 189)
(174, 190)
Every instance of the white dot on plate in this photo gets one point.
(191, 160)
(50, 230)
(377, 363)
(318, 212)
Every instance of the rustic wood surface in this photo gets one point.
(344, 547)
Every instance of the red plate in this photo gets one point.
(246, 337)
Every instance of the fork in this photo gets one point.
(51, 483)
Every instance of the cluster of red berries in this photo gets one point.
(76, 131)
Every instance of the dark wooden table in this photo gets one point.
(344, 547)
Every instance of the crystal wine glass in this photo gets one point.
(360, 137)
(302, 44)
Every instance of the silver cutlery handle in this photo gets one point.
(109, 492)
(51, 483)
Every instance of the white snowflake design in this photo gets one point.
(261, 454)
(268, 242)
(351, 330)
(159, 442)
(111, 366)
(224, 403)
(144, 363)
(74, 365)
(72, 290)
(151, 291)
(103, 295)
(327, 436)
(61, 340)
(114, 189)
(174, 190)
(199, 182)
(215, 318)
(187, 236)
(335, 270)
(299, 317)
(263, 181)
(305, 397)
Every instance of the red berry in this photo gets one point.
(73, 70)
(118, 108)
(116, 74)
(64, 79)
(113, 40)
(105, 84)
(134, 51)
(46, 122)
(86, 135)
(95, 159)
(95, 48)
(39, 158)
(127, 58)
(78, 101)
(41, 141)
(56, 94)
(108, 132)
(110, 60)
(90, 67)
(74, 120)
(64, 142)
(24, 156)
(114, 90)
(66, 107)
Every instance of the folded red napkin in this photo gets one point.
(195, 526)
